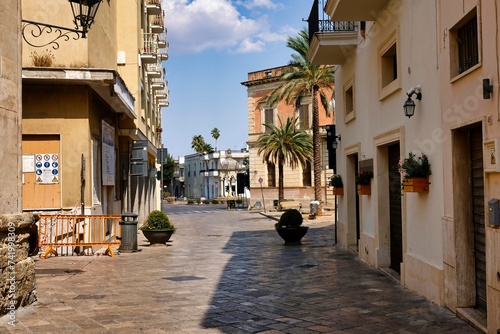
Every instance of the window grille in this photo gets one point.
(467, 40)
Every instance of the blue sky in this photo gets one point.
(213, 46)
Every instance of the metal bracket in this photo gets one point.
(33, 31)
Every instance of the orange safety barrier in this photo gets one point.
(56, 231)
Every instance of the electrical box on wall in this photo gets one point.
(120, 58)
(494, 212)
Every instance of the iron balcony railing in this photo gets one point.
(325, 25)
(150, 43)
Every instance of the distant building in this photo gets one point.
(299, 184)
(177, 185)
(216, 174)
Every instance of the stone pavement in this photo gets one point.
(227, 272)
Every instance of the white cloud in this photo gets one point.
(250, 4)
(197, 25)
(248, 46)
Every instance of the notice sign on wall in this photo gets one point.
(47, 168)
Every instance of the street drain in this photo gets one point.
(184, 278)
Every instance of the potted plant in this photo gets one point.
(415, 171)
(337, 184)
(290, 228)
(158, 228)
(363, 180)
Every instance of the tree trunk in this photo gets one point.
(281, 184)
(316, 145)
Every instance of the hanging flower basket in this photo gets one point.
(363, 180)
(364, 189)
(339, 191)
(416, 185)
(415, 171)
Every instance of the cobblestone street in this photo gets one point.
(227, 272)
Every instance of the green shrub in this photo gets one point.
(206, 201)
(239, 201)
(290, 218)
(170, 199)
(190, 201)
(214, 201)
(157, 220)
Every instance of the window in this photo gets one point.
(389, 80)
(389, 66)
(304, 122)
(268, 118)
(349, 101)
(306, 175)
(271, 175)
(468, 54)
(464, 45)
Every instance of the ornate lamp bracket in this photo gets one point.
(39, 35)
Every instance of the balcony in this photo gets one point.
(154, 70)
(153, 7)
(330, 42)
(149, 51)
(156, 23)
(164, 53)
(157, 84)
(163, 103)
(162, 41)
(354, 10)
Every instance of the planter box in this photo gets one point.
(364, 189)
(338, 191)
(416, 185)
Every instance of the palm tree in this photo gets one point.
(306, 80)
(215, 134)
(285, 145)
(198, 143)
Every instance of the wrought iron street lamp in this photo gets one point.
(84, 12)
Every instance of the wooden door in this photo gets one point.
(41, 191)
(395, 214)
(477, 191)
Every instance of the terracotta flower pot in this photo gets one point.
(364, 189)
(416, 184)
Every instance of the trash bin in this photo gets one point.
(231, 204)
(129, 233)
(313, 206)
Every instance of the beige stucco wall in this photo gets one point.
(98, 50)
(463, 105)
(379, 121)
(70, 120)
